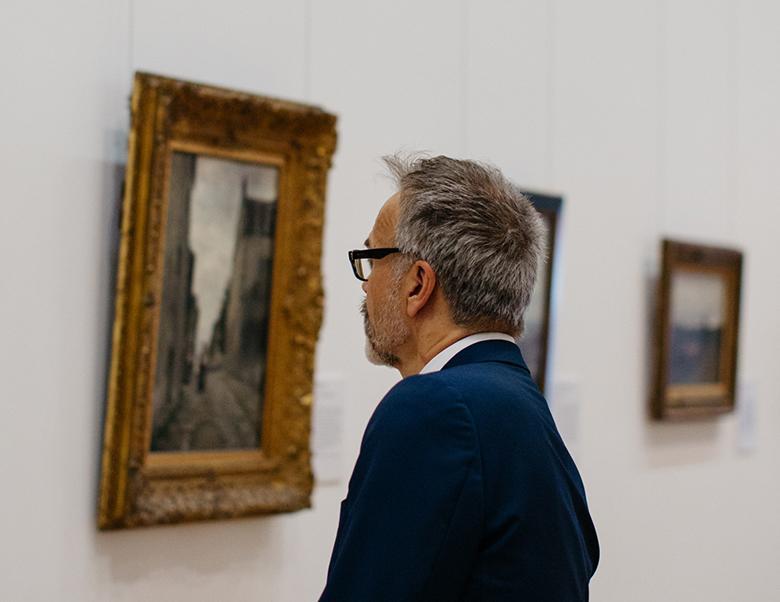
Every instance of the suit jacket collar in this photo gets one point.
(489, 351)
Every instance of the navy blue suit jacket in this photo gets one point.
(463, 490)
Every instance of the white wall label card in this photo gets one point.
(565, 407)
(747, 425)
(328, 428)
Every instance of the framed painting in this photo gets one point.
(535, 342)
(218, 306)
(697, 330)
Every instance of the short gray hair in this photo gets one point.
(480, 234)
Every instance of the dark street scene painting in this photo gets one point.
(216, 294)
(698, 315)
(533, 344)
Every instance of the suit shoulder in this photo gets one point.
(499, 394)
(423, 403)
(432, 387)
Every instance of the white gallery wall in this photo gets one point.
(652, 118)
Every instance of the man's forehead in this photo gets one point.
(383, 231)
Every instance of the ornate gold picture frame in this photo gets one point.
(218, 306)
(697, 330)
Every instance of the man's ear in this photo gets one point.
(422, 282)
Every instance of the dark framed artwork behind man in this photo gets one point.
(463, 489)
(536, 340)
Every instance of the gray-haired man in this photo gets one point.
(463, 489)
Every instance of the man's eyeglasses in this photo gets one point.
(362, 260)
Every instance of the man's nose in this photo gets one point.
(363, 286)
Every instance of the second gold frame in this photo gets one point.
(697, 330)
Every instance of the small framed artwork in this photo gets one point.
(698, 330)
(535, 341)
(218, 306)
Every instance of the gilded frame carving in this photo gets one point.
(712, 394)
(139, 487)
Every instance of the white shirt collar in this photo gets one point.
(445, 355)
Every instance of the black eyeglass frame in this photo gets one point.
(378, 253)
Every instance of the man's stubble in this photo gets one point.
(386, 331)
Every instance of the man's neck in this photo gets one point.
(425, 348)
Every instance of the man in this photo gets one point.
(463, 489)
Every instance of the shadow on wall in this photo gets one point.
(669, 444)
(112, 192)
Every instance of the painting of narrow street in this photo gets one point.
(216, 292)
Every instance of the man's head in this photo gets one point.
(385, 328)
(469, 244)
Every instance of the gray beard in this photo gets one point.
(381, 341)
